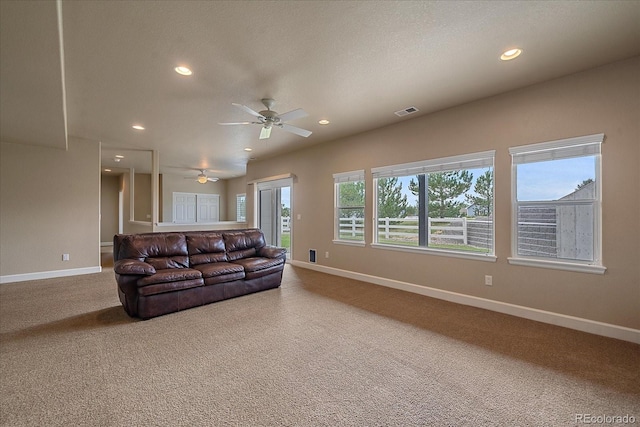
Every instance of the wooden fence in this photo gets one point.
(462, 231)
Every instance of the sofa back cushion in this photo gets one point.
(243, 243)
(205, 248)
(161, 250)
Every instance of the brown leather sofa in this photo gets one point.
(159, 273)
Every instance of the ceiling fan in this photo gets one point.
(269, 118)
(202, 178)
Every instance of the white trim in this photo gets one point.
(558, 265)
(439, 252)
(349, 176)
(563, 320)
(559, 144)
(553, 150)
(464, 161)
(11, 278)
(272, 178)
(63, 74)
(107, 243)
(359, 243)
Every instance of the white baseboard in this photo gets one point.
(577, 323)
(10, 278)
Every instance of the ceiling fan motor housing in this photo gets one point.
(270, 118)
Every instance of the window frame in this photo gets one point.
(589, 145)
(443, 164)
(239, 218)
(341, 178)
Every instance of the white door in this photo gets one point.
(208, 207)
(184, 207)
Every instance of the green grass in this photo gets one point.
(450, 246)
(285, 240)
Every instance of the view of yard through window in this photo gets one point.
(451, 210)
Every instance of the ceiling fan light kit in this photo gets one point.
(269, 118)
(202, 178)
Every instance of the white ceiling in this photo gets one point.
(352, 62)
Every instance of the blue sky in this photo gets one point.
(549, 180)
(554, 179)
(537, 181)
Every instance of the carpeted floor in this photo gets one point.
(319, 351)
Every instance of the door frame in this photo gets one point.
(275, 182)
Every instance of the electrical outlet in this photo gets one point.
(488, 280)
(326, 254)
(65, 257)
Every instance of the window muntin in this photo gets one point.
(349, 190)
(557, 201)
(442, 204)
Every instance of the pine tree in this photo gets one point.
(483, 197)
(351, 194)
(444, 188)
(391, 202)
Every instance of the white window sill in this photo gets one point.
(438, 252)
(558, 265)
(349, 242)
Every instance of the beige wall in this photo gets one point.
(49, 205)
(142, 197)
(603, 100)
(234, 187)
(109, 189)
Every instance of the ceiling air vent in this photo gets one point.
(406, 111)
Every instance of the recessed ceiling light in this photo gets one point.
(183, 71)
(324, 122)
(511, 54)
(138, 127)
(248, 149)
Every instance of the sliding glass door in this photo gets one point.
(274, 212)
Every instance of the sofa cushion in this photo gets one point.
(163, 263)
(161, 250)
(170, 275)
(243, 243)
(159, 288)
(251, 265)
(220, 272)
(205, 248)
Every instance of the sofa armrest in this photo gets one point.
(272, 252)
(133, 266)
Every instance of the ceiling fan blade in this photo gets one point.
(248, 110)
(296, 130)
(212, 179)
(293, 114)
(265, 133)
(236, 123)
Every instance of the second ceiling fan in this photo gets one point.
(269, 118)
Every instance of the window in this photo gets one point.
(556, 203)
(443, 206)
(241, 207)
(349, 207)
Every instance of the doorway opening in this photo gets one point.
(274, 212)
